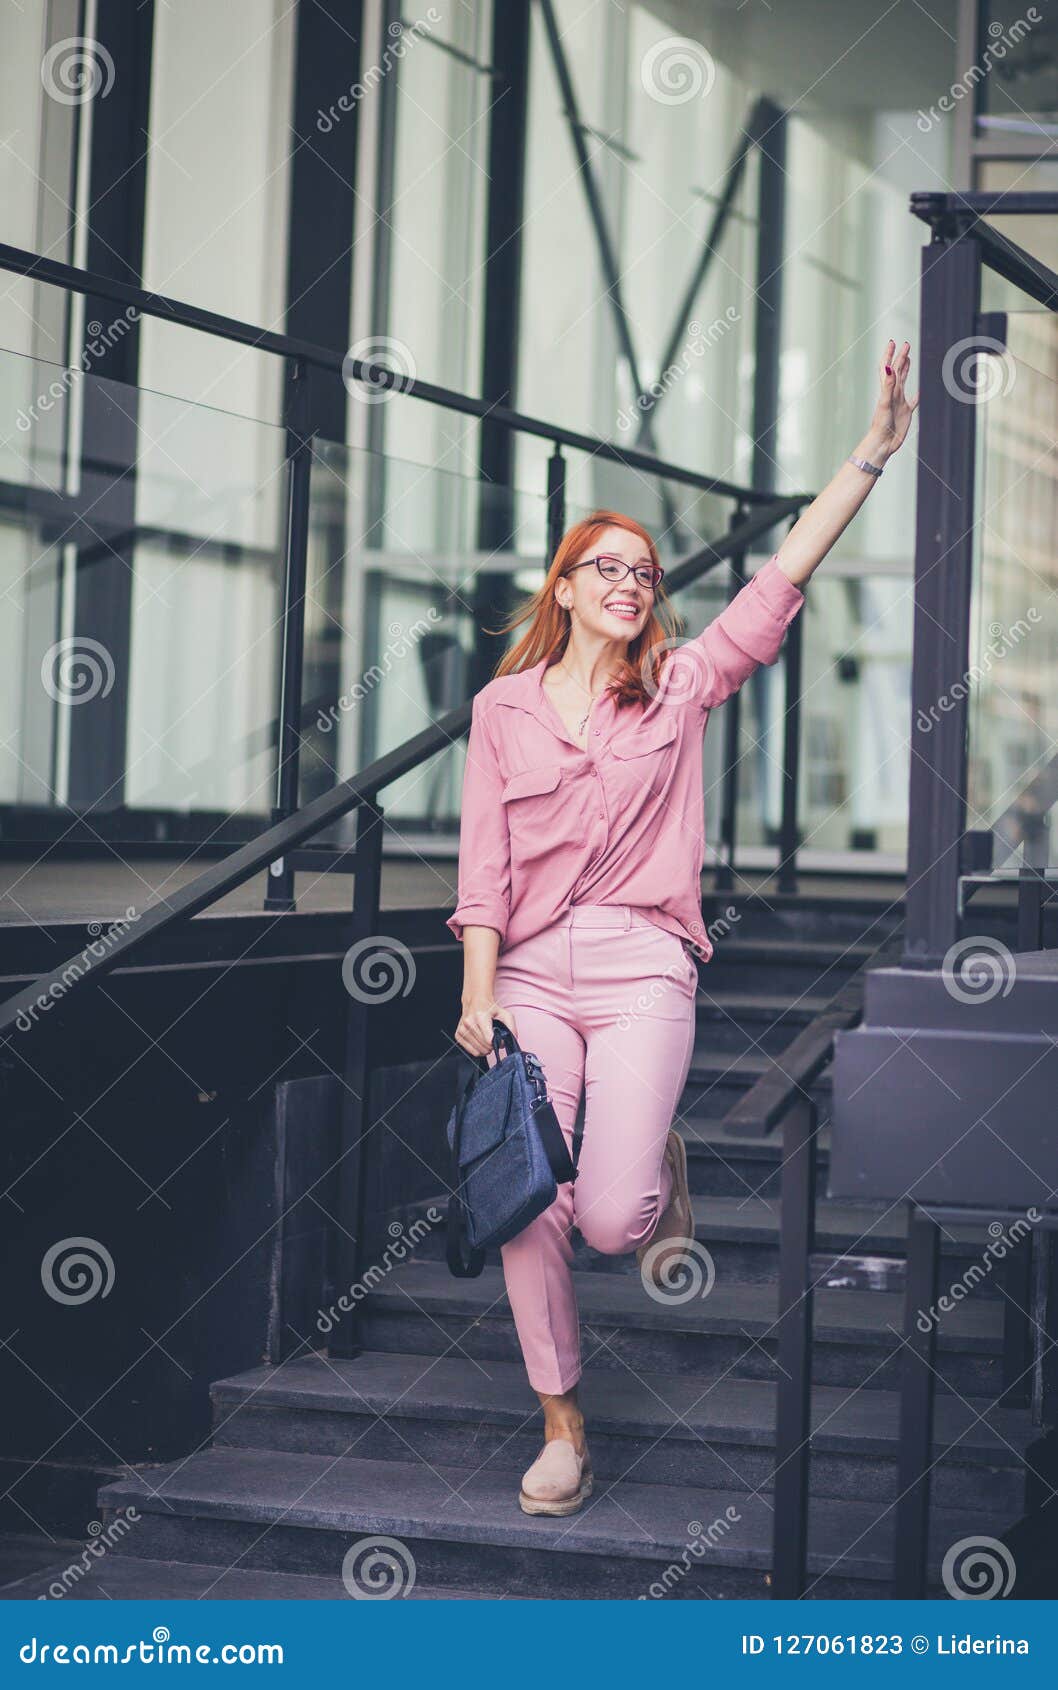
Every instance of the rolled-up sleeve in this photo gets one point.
(484, 895)
(748, 632)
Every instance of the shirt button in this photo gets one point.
(596, 730)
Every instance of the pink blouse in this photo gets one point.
(546, 825)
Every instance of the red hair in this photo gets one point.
(549, 625)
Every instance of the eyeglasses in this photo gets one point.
(613, 569)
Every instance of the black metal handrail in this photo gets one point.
(73, 279)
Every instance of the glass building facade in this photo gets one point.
(554, 207)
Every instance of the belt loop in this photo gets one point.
(628, 917)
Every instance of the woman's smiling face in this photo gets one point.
(611, 610)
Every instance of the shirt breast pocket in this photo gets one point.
(646, 753)
(532, 801)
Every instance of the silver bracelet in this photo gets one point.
(861, 463)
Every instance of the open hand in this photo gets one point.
(893, 413)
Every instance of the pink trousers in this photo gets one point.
(605, 999)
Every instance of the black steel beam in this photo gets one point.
(494, 589)
(505, 215)
(771, 255)
(102, 617)
(322, 195)
(944, 540)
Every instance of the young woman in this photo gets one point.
(579, 905)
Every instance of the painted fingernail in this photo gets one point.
(888, 369)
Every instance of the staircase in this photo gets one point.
(422, 1438)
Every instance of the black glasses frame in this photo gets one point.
(655, 570)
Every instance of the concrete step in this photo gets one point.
(720, 1166)
(714, 1433)
(741, 1234)
(718, 1078)
(783, 967)
(747, 1021)
(421, 1309)
(807, 917)
(126, 1578)
(462, 1528)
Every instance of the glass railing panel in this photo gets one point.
(856, 670)
(141, 540)
(409, 566)
(1013, 742)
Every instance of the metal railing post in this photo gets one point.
(793, 1423)
(725, 872)
(789, 838)
(348, 1252)
(914, 1458)
(280, 889)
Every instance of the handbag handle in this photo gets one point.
(465, 1261)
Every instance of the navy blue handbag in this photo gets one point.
(509, 1152)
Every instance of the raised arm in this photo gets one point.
(831, 511)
